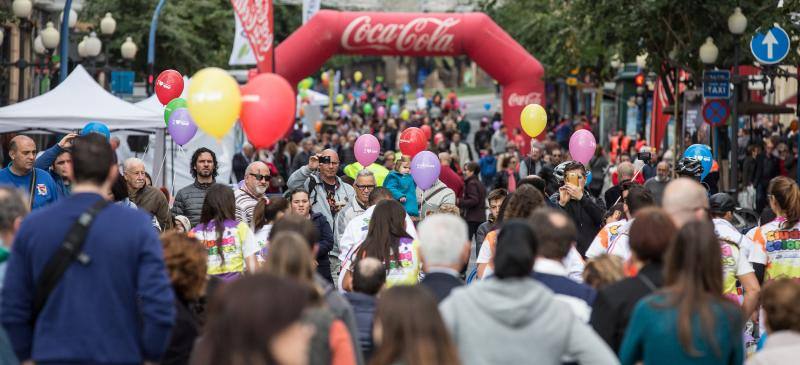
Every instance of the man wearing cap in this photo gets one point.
(37, 185)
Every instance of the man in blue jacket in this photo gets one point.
(114, 307)
(58, 162)
(36, 184)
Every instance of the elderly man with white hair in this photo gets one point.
(445, 249)
(256, 183)
(146, 197)
(364, 184)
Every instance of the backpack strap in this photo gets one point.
(69, 251)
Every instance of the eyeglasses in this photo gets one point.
(261, 177)
(365, 187)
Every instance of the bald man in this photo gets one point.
(146, 197)
(685, 200)
(256, 183)
(39, 187)
(327, 192)
(449, 177)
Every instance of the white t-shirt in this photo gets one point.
(778, 249)
(573, 262)
(613, 239)
(356, 232)
(261, 239)
(726, 230)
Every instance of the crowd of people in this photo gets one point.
(311, 258)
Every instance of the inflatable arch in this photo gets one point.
(417, 34)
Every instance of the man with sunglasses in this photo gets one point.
(364, 184)
(58, 162)
(256, 183)
(327, 192)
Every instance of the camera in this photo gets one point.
(644, 157)
(325, 159)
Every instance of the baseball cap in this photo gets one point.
(721, 202)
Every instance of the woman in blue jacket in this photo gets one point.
(402, 185)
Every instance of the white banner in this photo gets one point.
(310, 7)
(242, 54)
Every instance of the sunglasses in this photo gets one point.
(261, 177)
(365, 187)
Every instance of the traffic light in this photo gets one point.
(639, 80)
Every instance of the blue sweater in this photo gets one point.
(45, 161)
(402, 185)
(45, 190)
(652, 335)
(118, 309)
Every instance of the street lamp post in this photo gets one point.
(737, 23)
(22, 9)
(708, 55)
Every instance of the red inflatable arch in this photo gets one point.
(417, 34)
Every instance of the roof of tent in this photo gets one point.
(74, 102)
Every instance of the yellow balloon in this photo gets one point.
(533, 119)
(405, 114)
(214, 101)
(357, 76)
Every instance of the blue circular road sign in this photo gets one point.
(770, 47)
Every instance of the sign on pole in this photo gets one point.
(716, 84)
(715, 112)
(771, 47)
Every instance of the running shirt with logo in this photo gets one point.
(404, 269)
(734, 265)
(238, 242)
(778, 249)
(262, 241)
(613, 240)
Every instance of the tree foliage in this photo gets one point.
(191, 35)
(588, 33)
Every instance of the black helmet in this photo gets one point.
(721, 203)
(689, 167)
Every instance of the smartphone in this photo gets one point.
(572, 178)
(644, 157)
(325, 159)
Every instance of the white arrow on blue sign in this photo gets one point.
(771, 47)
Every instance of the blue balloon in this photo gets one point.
(406, 88)
(394, 110)
(487, 106)
(702, 153)
(96, 127)
(588, 178)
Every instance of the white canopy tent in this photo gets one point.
(73, 103)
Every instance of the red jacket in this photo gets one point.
(452, 180)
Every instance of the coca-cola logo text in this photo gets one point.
(522, 100)
(426, 34)
(254, 15)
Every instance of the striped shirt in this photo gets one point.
(245, 205)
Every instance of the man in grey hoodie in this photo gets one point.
(513, 319)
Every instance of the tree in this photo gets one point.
(191, 35)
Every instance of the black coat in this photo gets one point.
(184, 333)
(325, 245)
(588, 218)
(239, 165)
(766, 168)
(364, 311)
(473, 204)
(441, 284)
(614, 304)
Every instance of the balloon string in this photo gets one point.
(161, 167)
(633, 179)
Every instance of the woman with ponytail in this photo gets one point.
(778, 242)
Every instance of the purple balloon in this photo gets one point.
(496, 125)
(582, 146)
(425, 168)
(181, 126)
(367, 148)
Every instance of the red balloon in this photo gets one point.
(438, 138)
(427, 130)
(412, 141)
(268, 107)
(169, 85)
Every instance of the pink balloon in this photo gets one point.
(582, 146)
(381, 111)
(367, 148)
(425, 169)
